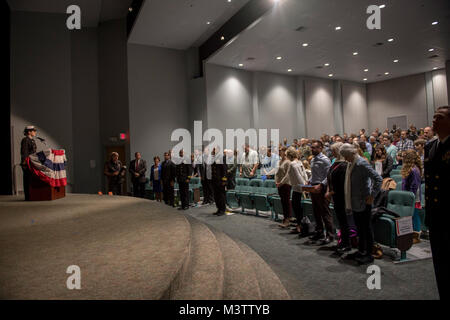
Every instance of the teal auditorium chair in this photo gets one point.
(149, 194)
(422, 211)
(261, 196)
(396, 177)
(232, 200)
(402, 203)
(396, 172)
(245, 196)
(194, 183)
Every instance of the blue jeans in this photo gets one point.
(417, 224)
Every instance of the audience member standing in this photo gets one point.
(168, 174)
(155, 178)
(206, 178)
(391, 150)
(412, 178)
(437, 177)
(362, 184)
(304, 149)
(419, 145)
(284, 186)
(231, 162)
(138, 168)
(219, 180)
(428, 135)
(320, 165)
(297, 178)
(403, 145)
(269, 164)
(335, 182)
(183, 174)
(383, 161)
(115, 173)
(249, 163)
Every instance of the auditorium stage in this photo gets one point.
(126, 248)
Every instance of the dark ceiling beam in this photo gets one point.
(249, 13)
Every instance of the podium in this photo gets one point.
(41, 191)
(48, 175)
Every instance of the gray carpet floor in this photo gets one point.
(315, 272)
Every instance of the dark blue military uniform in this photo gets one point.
(184, 172)
(27, 147)
(168, 174)
(219, 181)
(437, 218)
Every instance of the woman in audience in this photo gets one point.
(335, 191)
(155, 178)
(284, 186)
(365, 153)
(412, 177)
(297, 177)
(386, 162)
(419, 144)
(307, 168)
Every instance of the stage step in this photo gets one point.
(269, 283)
(203, 277)
(240, 282)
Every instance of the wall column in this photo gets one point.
(301, 114)
(429, 96)
(337, 107)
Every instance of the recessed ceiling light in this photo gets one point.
(222, 38)
(229, 0)
(390, 39)
(435, 68)
(386, 73)
(289, 70)
(241, 65)
(278, 58)
(337, 28)
(382, 6)
(366, 70)
(130, 9)
(330, 75)
(327, 64)
(434, 23)
(305, 44)
(208, 22)
(431, 49)
(365, 79)
(396, 60)
(355, 53)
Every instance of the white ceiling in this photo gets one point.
(180, 24)
(92, 11)
(407, 21)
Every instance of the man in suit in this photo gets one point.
(362, 184)
(183, 172)
(138, 168)
(168, 174)
(437, 179)
(27, 147)
(206, 178)
(219, 180)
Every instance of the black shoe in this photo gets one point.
(353, 256)
(180, 208)
(326, 241)
(317, 236)
(364, 259)
(343, 248)
(186, 208)
(220, 213)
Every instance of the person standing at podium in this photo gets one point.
(27, 147)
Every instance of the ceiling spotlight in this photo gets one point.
(330, 75)
(289, 70)
(241, 65)
(130, 9)
(431, 49)
(435, 68)
(208, 22)
(396, 60)
(278, 58)
(337, 28)
(222, 38)
(305, 44)
(390, 39)
(434, 23)
(326, 64)
(355, 53)
(382, 6)
(366, 70)
(365, 79)
(229, 0)
(386, 73)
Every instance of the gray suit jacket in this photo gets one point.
(365, 181)
(142, 169)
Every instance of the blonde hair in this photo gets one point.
(410, 159)
(291, 153)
